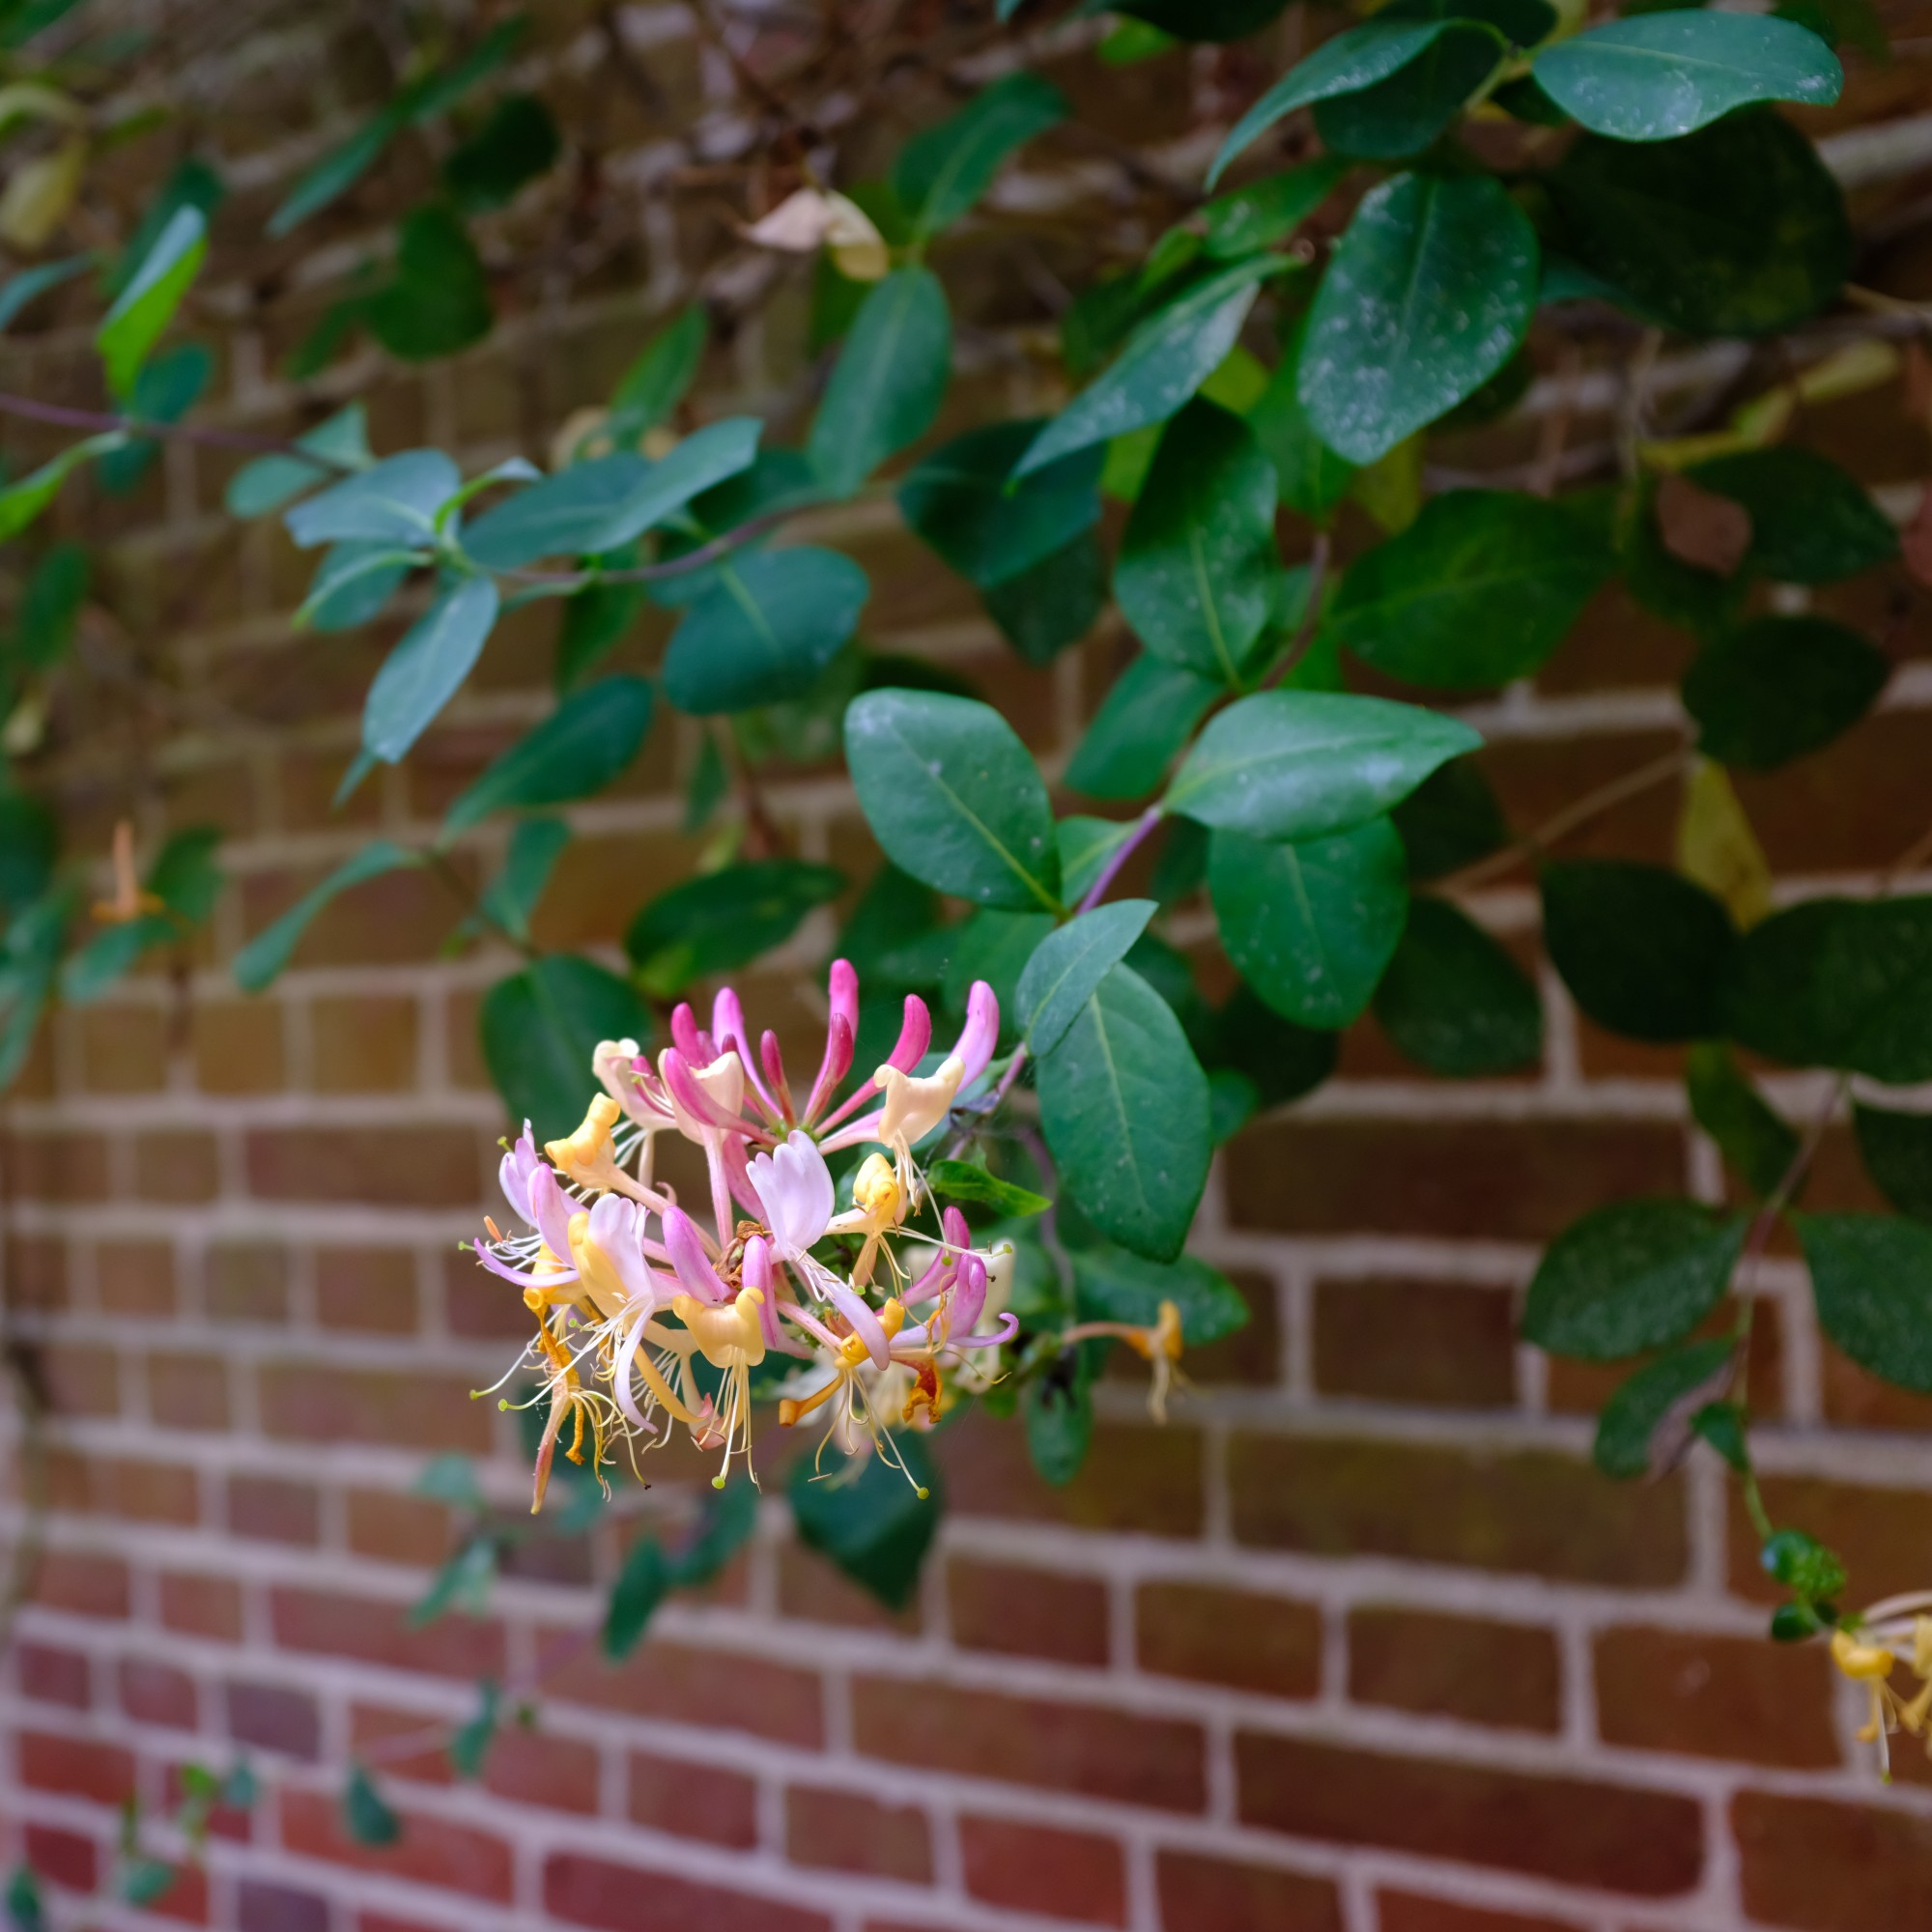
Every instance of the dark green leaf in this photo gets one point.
(29, 840)
(1312, 479)
(890, 380)
(1147, 714)
(1199, 574)
(994, 947)
(26, 1912)
(654, 384)
(1871, 1277)
(471, 1741)
(263, 958)
(1897, 1153)
(1665, 1390)
(1057, 1412)
(1066, 971)
(1406, 113)
(1801, 1563)
(338, 171)
(1735, 230)
(1779, 687)
(1751, 1135)
(1125, 1106)
(514, 146)
(50, 605)
(88, 972)
(1724, 1426)
(351, 584)
(1659, 76)
(642, 1584)
(595, 621)
(1115, 1285)
(870, 1521)
(1053, 604)
(954, 797)
(943, 171)
(563, 514)
(1450, 820)
(539, 1029)
(427, 669)
(1427, 295)
(1310, 926)
(990, 531)
(1200, 19)
(439, 300)
(1679, 592)
(581, 748)
(726, 1522)
(147, 305)
(720, 919)
(1454, 1000)
(1479, 589)
(462, 1583)
(143, 1882)
(164, 391)
(961, 1181)
(1632, 1276)
(270, 482)
(393, 504)
(705, 459)
(1641, 949)
(511, 897)
(1302, 764)
(30, 284)
(771, 624)
(1268, 210)
(365, 1814)
(1167, 358)
(1811, 522)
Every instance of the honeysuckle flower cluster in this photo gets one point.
(630, 1289)
(1896, 1630)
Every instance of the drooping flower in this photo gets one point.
(1158, 1344)
(1866, 1649)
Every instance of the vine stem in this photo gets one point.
(61, 417)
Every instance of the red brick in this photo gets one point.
(273, 1718)
(1519, 1510)
(1144, 1480)
(425, 1166)
(1207, 1894)
(481, 1306)
(90, 1586)
(378, 1735)
(188, 1392)
(62, 1857)
(811, 1589)
(305, 1402)
(176, 1166)
(248, 1281)
(366, 1288)
(202, 1606)
(1083, 1748)
(1578, 1830)
(158, 1693)
(51, 1675)
(694, 1801)
(536, 1768)
(362, 1043)
(80, 1379)
(623, 1898)
(1715, 1696)
(846, 1830)
(1490, 1673)
(237, 1046)
(264, 1907)
(35, 1265)
(398, 1528)
(680, 1684)
(1041, 1869)
(271, 1510)
(79, 1767)
(1410, 1911)
(1858, 1399)
(1416, 1341)
(54, 1165)
(1024, 1612)
(1827, 1867)
(135, 1277)
(1241, 1637)
(431, 1851)
(124, 1049)
(336, 1624)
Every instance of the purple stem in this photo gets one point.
(1111, 870)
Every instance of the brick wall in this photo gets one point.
(1360, 1643)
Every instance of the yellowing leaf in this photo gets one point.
(39, 193)
(1717, 847)
(1390, 489)
(1850, 371)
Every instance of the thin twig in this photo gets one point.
(96, 421)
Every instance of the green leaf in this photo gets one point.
(1779, 687)
(471, 1741)
(1871, 1277)
(1751, 1135)
(30, 284)
(642, 1585)
(1114, 1285)
(1409, 110)
(147, 305)
(1066, 970)
(1354, 60)
(766, 631)
(1838, 983)
(1450, 820)
(426, 670)
(21, 502)
(539, 1029)
(1147, 714)
(722, 920)
(1659, 76)
(439, 90)
(1454, 1000)
(1125, 1106)
(595, 622)
(726, 1522)
(1665, 1389)
(870, 1521)
(566, 513)
(703, 460)
(961, 1181)
(263, 958)
(581, 748)
(1897, 1153)
(1681, 593)
(513, 146)
(439, 300)
(26, 1911)
(888, 382)
(1427, 294)
(365, 1814)
(351, 584)
(654, 384)
(1642, 950)
(943, 171)
(954, 797)
(89, 972)
(1632, 1276)
(1478, 591)
(462, 1583)
(1200, 19)
(393, 504)
(1811, 522)
(1167, 358)
(1312, 478)
(1057, 1412)
(1053, 604)
(1310, 926)
(143, 1882)
(29, 842)
(511, 897)
(50, 605)
(1735, 230)
(451, 1478)
(1267, 212)
(338, 171)
(1199, 573)
(1302, 764)
(988, 529)
(271, 481)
